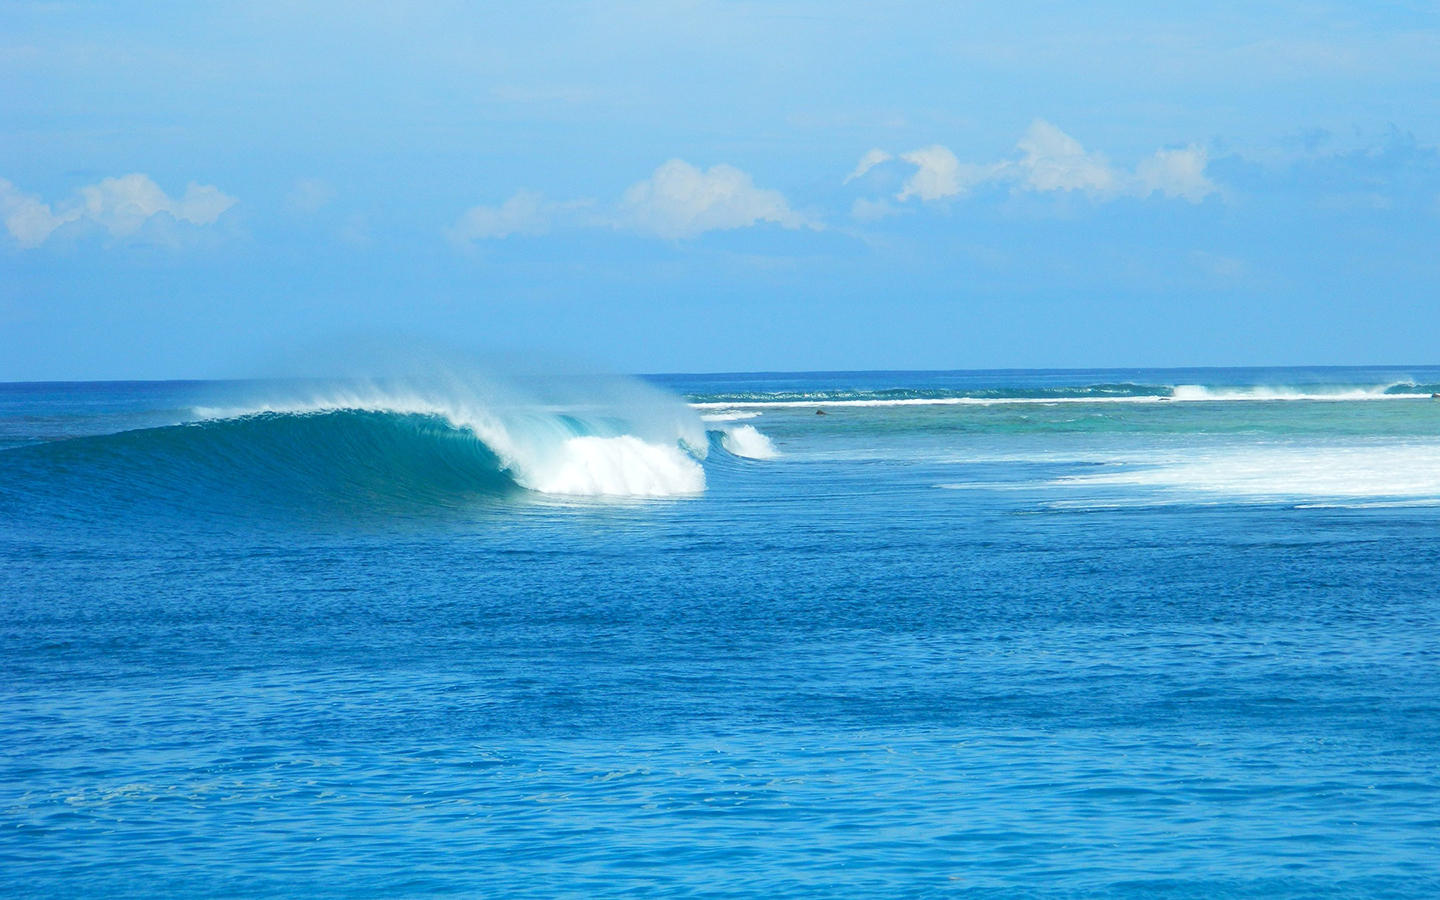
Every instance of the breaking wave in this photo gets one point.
(382, 446)
(585, 448)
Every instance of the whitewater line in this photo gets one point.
(1032, 401)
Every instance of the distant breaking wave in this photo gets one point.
(747, 441)
(720, 407)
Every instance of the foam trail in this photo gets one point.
(747, 441)
(1288, 472)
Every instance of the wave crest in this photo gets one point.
(366, 447)
(583, 449)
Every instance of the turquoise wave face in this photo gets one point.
(337, 462)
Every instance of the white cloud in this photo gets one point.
(120, 205)
(676, 201)
(939, 174)
(868, 162)
(1054, 161)
(1176, 173)
(1047, 159)
(525, 213)
(28, 220)
(681, 201)
(123, 205)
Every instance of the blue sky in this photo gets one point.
(189, 189)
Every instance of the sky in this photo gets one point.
(188, 189)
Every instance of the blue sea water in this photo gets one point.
(974, 634)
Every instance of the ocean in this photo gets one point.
(1050, 634)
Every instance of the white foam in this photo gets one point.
(1185, 393)
(730, 405)
(746, 441)
(622, 466)
(1291, 472)
(1195, 393)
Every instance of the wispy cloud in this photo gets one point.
(868, 162)
(863, 210)
(525, 213)
(678, 201)
(121, 206)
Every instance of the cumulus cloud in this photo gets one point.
(121, 206)
(525, 213)
(868, 162)
(682, 201)
(1049, 160)
(1054, 161)
(28, 220)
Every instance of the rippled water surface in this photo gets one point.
(1101, 644)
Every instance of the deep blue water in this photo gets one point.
(1042, 635)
